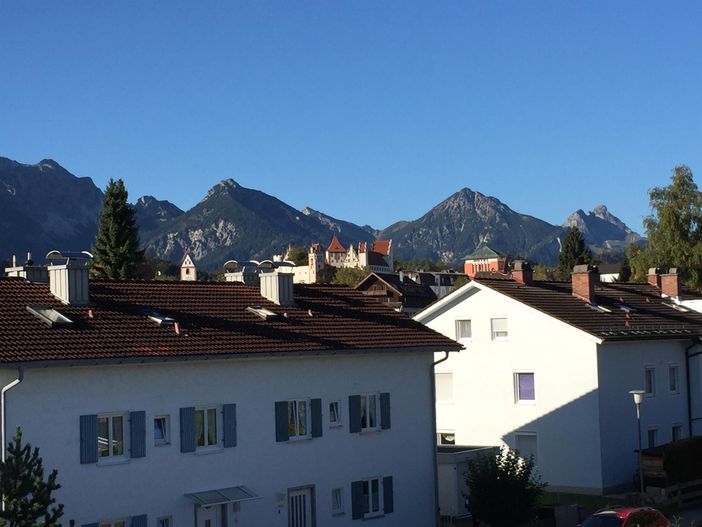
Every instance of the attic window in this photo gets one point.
(261, 312)
(49, 315)
(160, 319)
(625, 308)
(677, 307)
(599, 309)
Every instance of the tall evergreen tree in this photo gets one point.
(674, 229)
(573, 252)
(116, 249)
(28, 498)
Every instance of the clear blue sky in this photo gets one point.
(371, 111)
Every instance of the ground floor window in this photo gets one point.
(526, 444)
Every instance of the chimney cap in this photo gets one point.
(521, 265)
(673, 270)
(585, 268)
(653, 270)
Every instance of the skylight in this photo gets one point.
(625, 308)
(599, 309)
(161, 320)
(261, 312)
(49, 315)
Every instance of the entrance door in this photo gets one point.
(208, 516)
(301, 507)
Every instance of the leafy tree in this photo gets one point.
(542, 272)
(503, 489)
(297, 255)
(28, 498)
(574, 252)
(419, 265)
(116, 249)
(460, 282)
(349, 276)
(625, 269)
(674, 229)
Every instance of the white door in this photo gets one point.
(208, 516)
(300, 508)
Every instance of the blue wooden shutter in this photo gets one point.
(229, 418)
(88, 439)
(137, 434)
(281, 421)
(354, 413)
(387, 495)
(357, 500)
(187, 429)
(140, 521)
(316, 409)
(384, 411)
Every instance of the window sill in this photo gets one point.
(108, 461)
(373, 516)
(335, 425)
(204, 451)
(162, 443)
(370, 431)
(299, 439)
(526, 403)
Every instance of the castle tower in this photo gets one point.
(188, 271)
(315, 261)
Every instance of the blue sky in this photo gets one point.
(371, 111)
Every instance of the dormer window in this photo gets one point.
(261, 312)
(49, 315)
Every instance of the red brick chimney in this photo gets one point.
(670, 283)
(654, 278)
(522, 272)
(584, 279)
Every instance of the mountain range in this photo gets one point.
(44, 207)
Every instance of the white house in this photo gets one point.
(207, 404)
(549, 366)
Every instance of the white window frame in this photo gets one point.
(673, 426)
(493, 333)
(166, 440)
(650, 368)
(217, 445)
(111, 457)
(339, 421)
(674, 366)
(371, 513)
(337, 506)
(308, 420)
(365, 398)
(436, 383)
(656, 438)
(459, 338)
(517, 395)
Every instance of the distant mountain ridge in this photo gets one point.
(44, 207)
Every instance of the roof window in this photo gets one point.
(598, 308)
(677, 307)
(625, 308)
(160, 319)
(49, 315)
(261, 312)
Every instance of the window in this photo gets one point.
(369, 412)
(206, 427)
(525, 443)
(650, 381)
(110, 435)
(674, 378)
(463, 330)
(652, 437)
(444, 387)
(676, 432)
(116, 523)
(446, 438)
(524, 388)
(334, 414)
(298, 421)
(372, 497)
(499, 328)
(164, 521)
(337, 496)
(162, 430)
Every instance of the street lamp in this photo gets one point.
(638, 397)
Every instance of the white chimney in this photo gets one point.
(68, 276)
(277, 287)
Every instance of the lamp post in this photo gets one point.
(638, 397)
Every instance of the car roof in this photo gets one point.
(624, 512)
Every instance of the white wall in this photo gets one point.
(563, 360)
(49, 402)
(621, 368)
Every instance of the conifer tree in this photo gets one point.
(28, 498)
(116, 249)
(573, 252)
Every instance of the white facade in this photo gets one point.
(48, 404)
(580, 421)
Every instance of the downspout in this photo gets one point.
(688, 382)
(3, 416)
(434, 449)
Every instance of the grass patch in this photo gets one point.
(586, 501)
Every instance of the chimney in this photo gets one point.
(522, 272)
(654, 277)
(68, 276)
(584, 279)
(670, 283)
(277, 287)
(35, 274)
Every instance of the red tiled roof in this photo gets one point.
(381, 246)
(335, 246)
(212, 317)
(636, 311)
